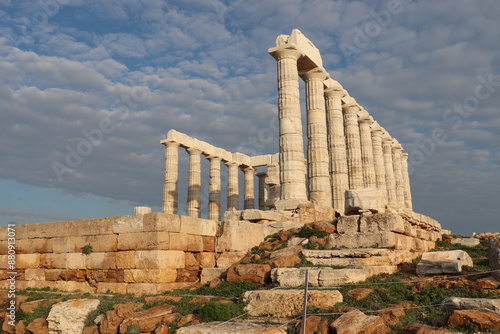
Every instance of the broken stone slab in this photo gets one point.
(469, 242)
(288, 303)
(371, 199)
(69, 317)
(480, 304)
(254, 214)
(291, 204)
(348, 224)
(382, 222)
(232, 328)
(485, 320)
(358, 257)
(444, 262)
(384, 239)
(357, 322)
(209, 274)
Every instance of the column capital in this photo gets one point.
(377, 132)
(332, 93)
(170, 143)
(316, 73)
(397, 148)
(231, 163)
(404, 156)
(247, 169)
(261, 174)
(193, 150)
(213, 157)
(351, 109)
(365, 120)
(285, 51)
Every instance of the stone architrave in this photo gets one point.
(354, 161)
(336, 140)
(232, 186)
(170, 188)
(398, 175)
(390, 182)
(378, 159)
(214, 188)
(318, 164)
(263, 190)
(406, 181)
(194, 183)
(367, 152)
(249, 191)
(292, 167)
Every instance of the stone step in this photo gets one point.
(232, 328)
(383, 239)
(359, 257)
(327, 277)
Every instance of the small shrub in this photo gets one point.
(134, 329)
(309, 232)
(213, 311)
(87, 249)
(39, 312)
(228, 290)
(272, 236)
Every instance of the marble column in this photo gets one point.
(406, 181)
(214, 188)
(367, 152)
(336, 142)
(232, 186)
(390, 181)
(170, 188)
(354, 162)
(263, 190)
(292, 168)
(318, 162)
(378, 158)
(273, 181)
(194, 183)
(398, 175)
(249, 190)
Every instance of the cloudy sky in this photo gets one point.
(88, 88)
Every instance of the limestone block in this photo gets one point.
(494, 256)
(194, 243)
(191, 225)
(75, 261)
(209, 228)
(480, 304)
(100, 261)
(208, 244)
(71, 286)
(205, 259)
(254, 215)
(41, 245)
(128, 224)
(468, 317)
(178, 241)
(444, 262)
(469, 242)
(34, 274)
(232, 327)
(150, 275)
(120, 288)
(4, 247)
(23, 246)
(157, 259)
(96, 226)
(140, 289)
(67, 244)
(53, 274)
(125, 260)
(348, 224)
(241, 236)
(162, 287)
(336, 277)
(143, 241)
(4, 261)
(288, 303)
(227, 259)
(382, 222)
(21, 232)
(371, 240)
(52, 230)
(53, 261)
(364, 199)
(69, 317)
(142, 210)
(159, 221)
(101, 243)
(293, 277)
(356, 321)
(209, 274)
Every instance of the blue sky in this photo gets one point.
(120, 74)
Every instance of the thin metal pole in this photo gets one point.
(304, 316)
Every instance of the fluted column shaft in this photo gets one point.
(390, 181)
(367, 153)
(249, 189)
(354, 162)
(232, 186)
(292, 168)
(406, 181)
(214, 188)
(263, 191)
(398, 175)
(318, 162)
(170, 187)
(194, 183)
(378, 159)
(337, 147)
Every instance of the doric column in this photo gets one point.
(367, 152)
(336, 141)
(292, 168)
(354, 162)
(214, 188)
(318, 162)
(170, 188)
(390, 182)
(194, 183)
(378, 158)
(406, 181)
(232, 185)
(263, 191)
(398, 175)
(273, 181)
(249, 190)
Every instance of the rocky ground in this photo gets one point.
(389, 303)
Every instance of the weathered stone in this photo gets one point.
(257, 273)
(444, 262)
(154, 259)
(189, 319)
(140, 289)
(356, 322)
(382, 222)
(38, 326)
(150, 275)
(125, 260)
(424, 329)
(25, 261)
(100, 261)
(128, 224)
(348, 224)
(364, 199)
(28, 307)
(69, 317)
(485, 320)
(480, 304)
(285, 261)
(159, 221)
(113, 318)
(360, 293)
(314, 325)
(34, 274)
(233, 328)
(254, 215)
(148, 319)
(162, 298)
(288, 303)
(143, 241)
(75, 261)
(91, 330)
(208, 274)
(392, 314)
(469, 242)
(494, 256)
(119, 288)
(227, 259)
